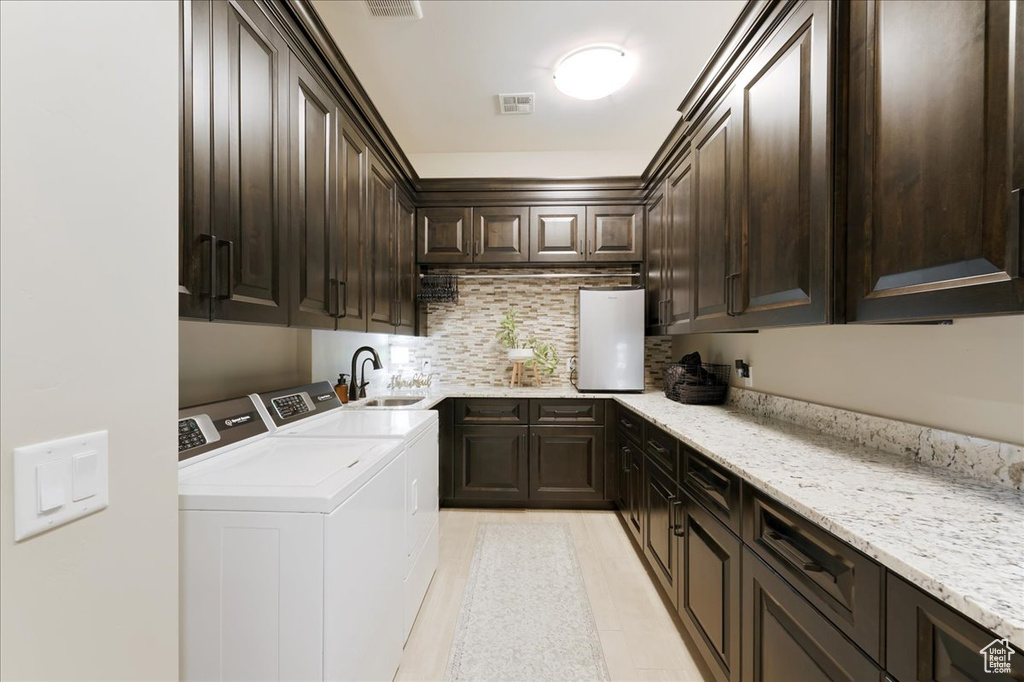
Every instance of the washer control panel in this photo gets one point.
(290, 405)
(189, 434)
(204, 428)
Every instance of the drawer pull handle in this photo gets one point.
(493, 411)
(626, 459)
(783, 545)
(625, 422)
(706, 483)
(677, 525)
(569, 410)
(657, 448)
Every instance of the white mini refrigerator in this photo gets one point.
(611, 339)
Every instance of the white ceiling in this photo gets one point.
(434, 80)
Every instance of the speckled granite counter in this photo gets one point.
(958, 539)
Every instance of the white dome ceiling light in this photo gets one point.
(594, 71)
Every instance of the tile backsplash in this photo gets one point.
(461, 347)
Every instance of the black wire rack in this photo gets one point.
(438, 289)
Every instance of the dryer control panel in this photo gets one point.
(204, 428)
(290, 405)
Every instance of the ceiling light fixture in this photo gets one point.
(593, 72)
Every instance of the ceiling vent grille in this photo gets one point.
(395, 9)
(518, 103)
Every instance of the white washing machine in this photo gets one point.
(418, 430)
(290, 566)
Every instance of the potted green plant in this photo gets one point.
(545, 356)
(508, 337)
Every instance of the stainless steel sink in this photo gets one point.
(394, 401)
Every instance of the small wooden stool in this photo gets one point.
(518, 370)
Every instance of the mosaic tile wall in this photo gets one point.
(461, 347)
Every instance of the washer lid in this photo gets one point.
(288, 475)
(363, 424)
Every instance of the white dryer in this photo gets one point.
(418, 430)
(289, 565)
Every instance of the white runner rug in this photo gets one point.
(525, 615)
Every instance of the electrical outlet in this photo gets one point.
(570, 365)
(748, 381)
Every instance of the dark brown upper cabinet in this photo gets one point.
(446, 235)
(679, 247)
(556, 234)
(936, 164)
(501, 235)
(313, 200)
(406, 279)
(382, 248)
(716, 152)
(657, 257)
(783, 235)
(250, 138)
(615, 234)
(195, 234)
(351, 227)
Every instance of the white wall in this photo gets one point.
(217, 361)
(968, 377)
(88, 315)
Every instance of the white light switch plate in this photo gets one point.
(67, 478)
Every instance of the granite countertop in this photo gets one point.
(958, 539)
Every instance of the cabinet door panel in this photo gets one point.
(381, 294)
(786, 223)
(446, 235)
(679, 247)
(352, 227)
(501, 235)
(567, 463)
(195, 266)
(405, 262)
(490, 463)
(660, 527)
(313, 195)
(709, 599)
(625, 453)
(713, 184)
(657, 290)
(934, 222)
(784, 638)
(250, 133)
(615, 233)
(556, 234)
(635, 520)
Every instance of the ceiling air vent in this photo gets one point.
(395, 9)
(519, 103)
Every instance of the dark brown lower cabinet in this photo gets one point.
(566, 463)
(785, 638)
(660, 497)
(928, 641)
(490, 463)
(709, 590)
(624, 453)
(635, 518)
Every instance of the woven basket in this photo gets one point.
(704, 384)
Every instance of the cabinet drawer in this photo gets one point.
(490, 411)
(567, 411)
(715, 487)
(839, 581)
(663, 449)
(630, 424)
(927, 640)
(784, 638)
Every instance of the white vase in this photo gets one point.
(520, 354)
